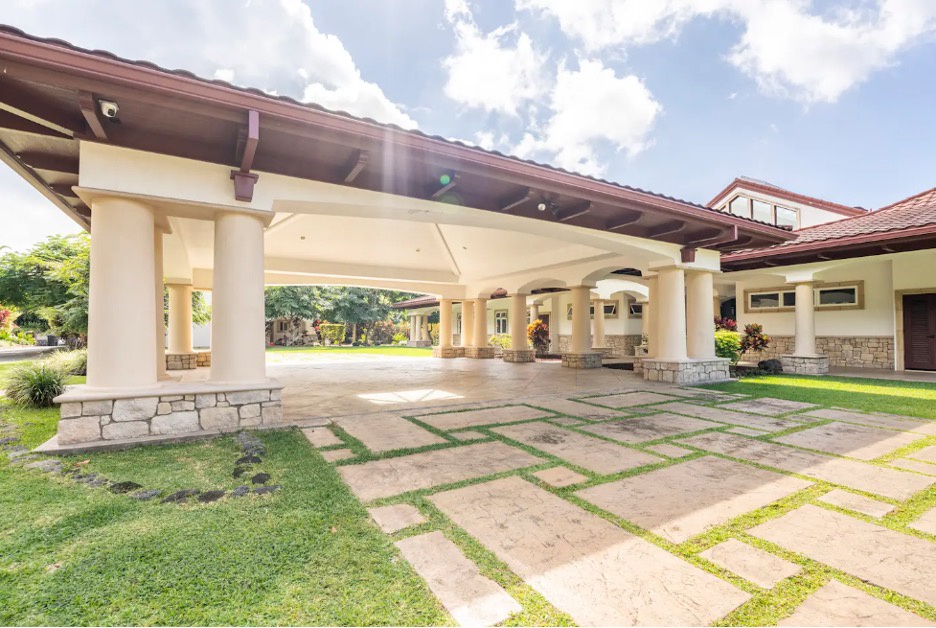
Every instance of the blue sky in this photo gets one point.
(829, 98)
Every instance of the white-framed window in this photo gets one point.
(838, 296)
(844, 295)
(763, 211)
(786, 217)
(610, 310)
(283, 326)
(500, 322)
(740, 206)
(635, 310)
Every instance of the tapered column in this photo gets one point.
(445, 323)
(159, 305)
(412, 328)
(581, 341)
(237, 308)
(180, 318)
(671, 315)
(534, 312)
(598, 322)
(650, 313)
(518, 327)
(555, 316)
(468, 324)
(424, 328)
(121, 307)
(480, 322)
(805, 343)
(700, 310)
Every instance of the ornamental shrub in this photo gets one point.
(538, 335)
(754, 339)
(333, 333)
(501, 341)
(728, 345)
(35, 383)
(727, 324)
(73, 362)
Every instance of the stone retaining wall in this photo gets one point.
(167, 415)
(875, 352)
(620, 345)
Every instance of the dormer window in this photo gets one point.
(763, 211)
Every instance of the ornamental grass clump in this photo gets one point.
(73, 362)
(35, 383)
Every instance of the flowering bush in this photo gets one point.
(538, 334)
(754, 339)
(726, 324)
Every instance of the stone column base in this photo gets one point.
(605, 352)
(480, 353)
(805, 364)
(582, 360)
(684, 371)
(203, 358)
(419, 343)
(181, 361)
(448, 352)
(519, 355)
(100, 419)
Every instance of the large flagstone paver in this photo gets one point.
(909, 464)
(671, 451)
(858, 503)
(587, 452)
(392, 476)
(700, 394)
(884, 557)
(768, 406)
(560, 477)
(627, 400)
(484, 416)
(471, 598)
(751, 563)
(851, 473)
(927, 454)
(394, 518)
(647, 428)
(334, 455)
(891, 421)
(586, 566)
(836, 604)
(767, 424)
(854, 441)
(321, 437)
(683, 500)
(925, 522)
(387, 432)
(578, 409)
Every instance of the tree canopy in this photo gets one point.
(333, 303)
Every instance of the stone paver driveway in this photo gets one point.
(654, 507)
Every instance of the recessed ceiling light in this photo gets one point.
(302, 237)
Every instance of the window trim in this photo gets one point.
(857, 285)
(750, 209)
(613, 303)
(859, 295)
(505, 318)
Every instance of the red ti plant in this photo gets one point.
(754, 339)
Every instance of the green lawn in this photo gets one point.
(308, 555)
(6, 367)
(391, 350)
(873, 395)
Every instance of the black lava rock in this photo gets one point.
(240, 491)
(124, 487)
(210, 496)
(98, 482)
(260, 478)
(239, 471)
(264, 490)
(180, 496)
(248, 460)
(772, 367)
(146, 495)
(8, 439)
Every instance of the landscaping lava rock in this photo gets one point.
(146, 495)
(180, 496)
(239, 471)
(50, 465)
(772, 367)
(8, 439)
(98, 482)
(84, 478)
(24, 459)
(15, 452)
(264, 490)
(240, 491)
(210, 496)
(124, 487)
(260, 478)
(248, 460)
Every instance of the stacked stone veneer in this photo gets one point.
(203, 358)
(167, 415)
(800, 365)
(181, 361)
(620, 345)
(683, 372)
(875, 352)
(519, 355)
(448, 352)
(581, 360)
(480, 353)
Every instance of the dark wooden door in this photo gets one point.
(920, 332)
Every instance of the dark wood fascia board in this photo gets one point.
(523, 196)
(92, 116)
(49, 161)
(12, 122)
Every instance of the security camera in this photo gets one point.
(109, 109)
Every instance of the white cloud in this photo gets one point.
(498, 71)
(273, 45)
(788, 48)
(591, 107)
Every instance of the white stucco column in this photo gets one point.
(598, 322)
(480, 322)
(555, 316)
(534, 312)
(644, 317)
(445, 323)
(581, 326)
(518, 325)
(424, 328)
(468, 325)
(805, 342)
(237, 348)
(671, 315)
(650, 314)
(159, 305)
(700, 324)
(121, 349)
(180, 318)
(412, 328)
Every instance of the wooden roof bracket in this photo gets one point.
(244, 179)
